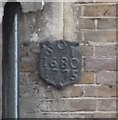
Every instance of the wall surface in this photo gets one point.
(93, 24)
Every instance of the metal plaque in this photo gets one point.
(60, 62)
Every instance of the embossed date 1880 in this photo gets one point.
(60, 62)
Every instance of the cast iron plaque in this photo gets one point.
(60, 62)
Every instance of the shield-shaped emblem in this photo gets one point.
(60, 62)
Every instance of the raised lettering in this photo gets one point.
(44, 61)
(74, 75)
(61, 45)
(53, 63)
(48, 51)
(65, 72)
(74, 63)
(46, 72)
(64, 63)
(72, 51)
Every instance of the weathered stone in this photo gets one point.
(108, 115)
(49, 93)
(87, 78)
(70, 23)
(99, 64)
(100, 36)
(105, 91)
(105, 50)
(50, 22)
(100, 91)
(55, 21)
(30, 50)
(86, 23)
(70, 105)
(87, 50)
(106, 78)
(100, 10)
(28, 66)
(107, 105)
(27, 27)
(32, 86)
(106, 1)
(31, 6)
(105, 23)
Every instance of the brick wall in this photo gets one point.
(94, 95)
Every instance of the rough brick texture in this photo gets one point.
(86, 23)
(100, 10)
(107, 50)
(93, 24)
(109, 105)
(103, 36)
(100, 91)
(107, 23)
(97, 64)
(106, 78)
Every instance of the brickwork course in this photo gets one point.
(93, 24)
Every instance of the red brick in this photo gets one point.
(69, 115)
(98, 64)
(63, 115)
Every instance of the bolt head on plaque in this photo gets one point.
(60, 62)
